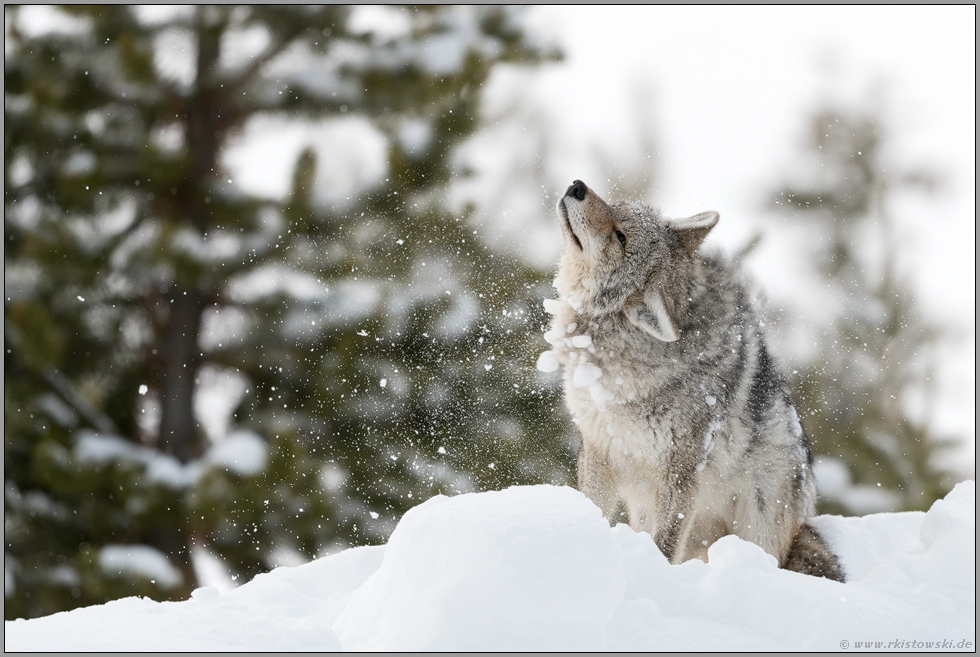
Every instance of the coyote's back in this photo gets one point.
(685, 418)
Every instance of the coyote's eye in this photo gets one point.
(621, 237)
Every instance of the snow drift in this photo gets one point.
(538, 568)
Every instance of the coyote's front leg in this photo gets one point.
(595, 479)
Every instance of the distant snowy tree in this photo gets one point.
(875, 355)
(376, 351)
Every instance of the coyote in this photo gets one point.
(685, 418)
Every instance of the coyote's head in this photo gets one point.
(626, 258)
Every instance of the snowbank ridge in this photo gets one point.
(538, 568)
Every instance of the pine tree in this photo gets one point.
(877, 348)
(384, 353)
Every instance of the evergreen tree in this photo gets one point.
(384, 353)
(854, 392)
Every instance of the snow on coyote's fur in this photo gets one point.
(685, 417)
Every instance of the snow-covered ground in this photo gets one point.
(538, 568)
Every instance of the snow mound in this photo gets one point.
(289, 609)
(530, 568)
(537, 568)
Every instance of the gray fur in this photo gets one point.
(685, 417)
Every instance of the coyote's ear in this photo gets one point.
(653, 315)
(693, 230)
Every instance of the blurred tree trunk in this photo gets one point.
(178, 428)
(181, 357)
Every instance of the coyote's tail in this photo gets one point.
(810, 555)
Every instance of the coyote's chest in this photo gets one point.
(614, 398)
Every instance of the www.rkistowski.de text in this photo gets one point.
(909, 644)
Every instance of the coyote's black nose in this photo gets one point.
(577, 189)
